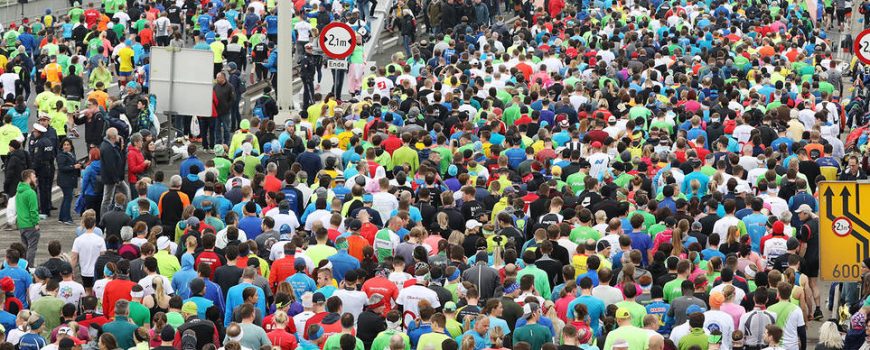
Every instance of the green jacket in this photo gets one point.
(695, 337)
(27, 206)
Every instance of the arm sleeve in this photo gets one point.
(802, 335)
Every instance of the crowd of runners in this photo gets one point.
(552, 174)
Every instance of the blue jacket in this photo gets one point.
(22, 280)
(301, 283)
(272, 62)
(90, 176)
(342, 263)
(234, 298)
(214, 293)
(187, 163)
(155, 190)
(181, 279)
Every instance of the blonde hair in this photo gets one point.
(467, 343)
(280, 318)
(829, 336)
(159, 293)
(496, 336)
(456, 238)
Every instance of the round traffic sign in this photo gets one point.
(337, 40)
(862, 46)
(841, 226)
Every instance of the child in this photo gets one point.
(773, 335)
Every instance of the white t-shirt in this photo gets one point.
(599, 162)
(288, 219)
(399, 278)
(384, 203)
(410, 298)
(123, 18)
(353, 301)
(716, 319)
(222, 27)
(321, 214)
(790, 340)
(7, 80)
(70, 291)
(89, 246)
(300, 320)
(99, 289)
(303, 31)
(33, 291)
(739, 294)
(221, 240)
(148, 289)
(161, 26)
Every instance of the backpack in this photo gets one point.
(753, 329)
(188, 340)
(259, 110)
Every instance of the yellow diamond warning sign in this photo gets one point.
(844, 232)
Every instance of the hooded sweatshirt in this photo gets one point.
(181, 279)
(26, 206)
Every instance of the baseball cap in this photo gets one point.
(700, 281)
(167, 333)
(596, 144)
(778, 227)
(367, 198)
(189, 308)
(622, 313)
(449, 306)
(355, 225)
(804, 208)
(245, 124)
(197, 285)
(694, 309)
(716, 299)
(162, 243)
(472, 224)
(318, 298)
(39, 127)
(529, 309)
(602, 245)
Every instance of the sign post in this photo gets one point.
(862, 46)
(844, 233)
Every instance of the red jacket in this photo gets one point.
(281, 269)
(135, 163)
(116, 290)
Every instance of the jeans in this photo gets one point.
(406, 43)
(30, 239)
(207, 131)
(227, 126)
(109, 191)
(65, 204)
(363, 6)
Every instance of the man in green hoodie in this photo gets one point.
(27, 208)
(697, 335)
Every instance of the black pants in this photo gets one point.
(44, 181)
(162, 40)
(308, 92)
(93, 202)
(206, 132)
(338, 82)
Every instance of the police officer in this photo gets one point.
(308, 66)
(43, 149)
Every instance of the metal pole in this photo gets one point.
(285, 57)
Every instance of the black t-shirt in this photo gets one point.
(259, 53)
(472, 210)
(174, 14)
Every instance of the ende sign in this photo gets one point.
(336, 64)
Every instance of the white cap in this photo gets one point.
(472, 224)
(39, 127)
(162, 242)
